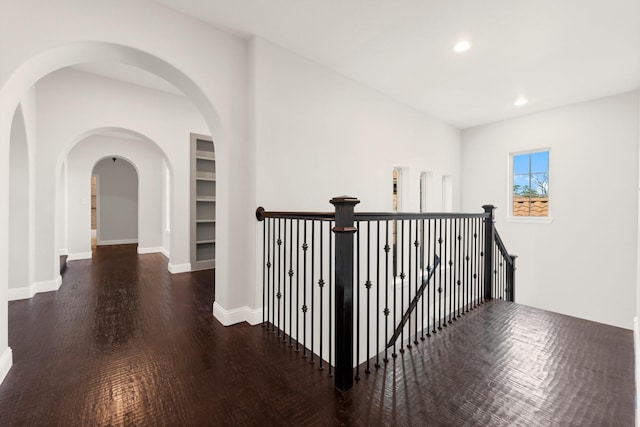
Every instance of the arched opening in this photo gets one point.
(116, 202)
(154, 179)
(54, 59)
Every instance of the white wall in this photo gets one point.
(83, 102)
(321, 135)
(584, 262)
(147, 184)
(208, 65)
(117, 206)
(19, 205)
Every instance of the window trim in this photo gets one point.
(527, 219)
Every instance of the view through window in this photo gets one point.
(530, 183)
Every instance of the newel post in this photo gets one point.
(488, 251)
(344, 230)
(511, 278)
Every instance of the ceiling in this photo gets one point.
(554, 52)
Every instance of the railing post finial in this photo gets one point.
(344, 230)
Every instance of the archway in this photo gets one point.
(40, 65)
(155, 175)
(116, 201)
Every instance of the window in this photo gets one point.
(530, 183)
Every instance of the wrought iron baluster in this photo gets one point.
(284, 284)
(425, 245)
(402, 277)
(311, 288)
(459, 265)
(377, 365)
(441, 255)
(409, 276)
(386, 311)
(446, 272)
(297, 286)
(368, 287)
(320, 291)
(304, 308)
(267, 223)
(418, 280)
(279, 294)
(290, 283)
(357, 377)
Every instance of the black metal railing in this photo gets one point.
(414, 275)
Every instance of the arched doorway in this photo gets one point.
(116, 202)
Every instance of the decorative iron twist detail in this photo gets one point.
(269, 264)
(368, 284)
(321, 283)
(402, 276)
(279, 295)
(305, 308)
(440, 240)
(416, 244)
(305, 246)
(387, 248)
(450, 263)
(290, 273)
(386, 311)
(279, 242)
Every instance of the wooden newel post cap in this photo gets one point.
(344, 200)
(260, 214)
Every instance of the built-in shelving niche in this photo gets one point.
(203, 203)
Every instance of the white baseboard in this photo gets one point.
(48, 285)
(23, 292)
(237, 315)
(636, 346)
(64, 251)
(165, 252)
(151, 250)
(26, 292)
(6, 361)
(117, 242)
(78, 256)
(179, 268)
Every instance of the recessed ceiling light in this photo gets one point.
(521, 101)
(462, 46)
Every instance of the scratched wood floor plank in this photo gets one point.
(125, 343)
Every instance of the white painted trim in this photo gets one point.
(48, 286)
(26, 292)
(6, 361)
(636, 347)
(165, 252)
(179, 268)
(530, 219)
(117, 242)
(23, 292)
(237, 315)
(151, 250)
(80, 255)
(64, 251)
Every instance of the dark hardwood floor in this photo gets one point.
(125, 343)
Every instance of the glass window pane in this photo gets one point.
(540, 162)
(540, 184)
(521, 164)
(521, 184)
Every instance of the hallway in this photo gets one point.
(125, 343)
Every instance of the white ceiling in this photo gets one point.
(554, 52)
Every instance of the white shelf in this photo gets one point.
(203, 198)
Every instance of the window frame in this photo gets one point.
(510, 179)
